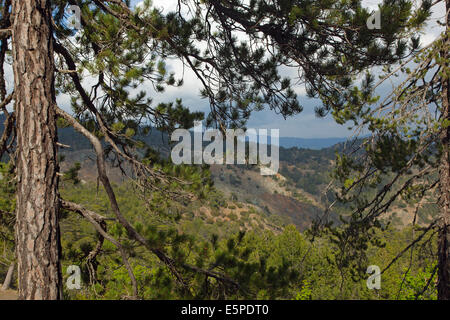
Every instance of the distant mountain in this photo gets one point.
(156, 138)
(295, 195)
(314, 144)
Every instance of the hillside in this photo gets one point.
(242, 200)
(297, 194)
(293, 195)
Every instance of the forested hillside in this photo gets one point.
(241, 235)
(249, 219)
(298, 194)
(96, 203)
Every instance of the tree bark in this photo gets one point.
(9, 276)
(37, 208)
(444, 182)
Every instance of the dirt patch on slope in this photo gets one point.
(8, 295)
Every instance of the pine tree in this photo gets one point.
(122, 48)
(406, 159)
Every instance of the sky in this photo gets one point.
(303, 125)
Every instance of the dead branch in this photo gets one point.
(409, 246)
(169, 262)
(97, 221)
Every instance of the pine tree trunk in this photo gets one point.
(37, 225)
(444, 182)
(9, 276)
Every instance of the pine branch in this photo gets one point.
(169, 262)
(431, 226)
(5, 33)
(98, 222)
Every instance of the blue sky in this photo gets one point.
(304, 125)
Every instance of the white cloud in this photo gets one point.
(304, 125)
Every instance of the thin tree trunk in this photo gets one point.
(444, 181)
(37, 208)
(9, 276)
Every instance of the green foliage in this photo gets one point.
(420, 285)
(124, 50)
(72, 173)
(7, 216)
(305, 293)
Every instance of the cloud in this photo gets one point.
(303, 125)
